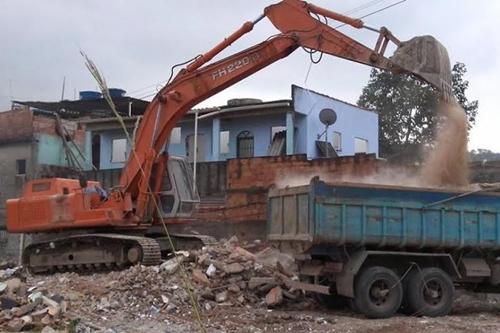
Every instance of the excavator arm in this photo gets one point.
(300, 26)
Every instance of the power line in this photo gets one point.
(147, 92)
(374, 12)
(363, 6)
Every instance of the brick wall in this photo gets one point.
(16, 126)
(248, 181)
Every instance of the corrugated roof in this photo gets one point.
(97, 108)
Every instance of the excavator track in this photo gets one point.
(91, 252)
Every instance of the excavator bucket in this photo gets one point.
(428, 59)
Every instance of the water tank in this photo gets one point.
(116, 92)
(243, 101)
(89, 95)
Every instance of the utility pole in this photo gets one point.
(195, 148)
(63, 87)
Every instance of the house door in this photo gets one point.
(244, 145)
(200, 156)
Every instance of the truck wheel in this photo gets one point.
(430, 292)
(378, 292)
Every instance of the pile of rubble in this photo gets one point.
(27, 308)
(224, 275)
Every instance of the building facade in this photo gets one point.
(248, 128)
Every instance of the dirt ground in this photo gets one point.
(471, 314)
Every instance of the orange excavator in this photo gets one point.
(84, 226)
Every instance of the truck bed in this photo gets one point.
(383, 216)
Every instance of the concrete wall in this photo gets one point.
(11, 187)
(352, 122)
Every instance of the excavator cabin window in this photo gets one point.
(177, 196)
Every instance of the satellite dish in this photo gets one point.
(327, 117)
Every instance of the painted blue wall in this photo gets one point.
(352, 122)
(205, 140)
(107, 138)
(51, 151)
(260, 127)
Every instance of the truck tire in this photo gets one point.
(430, 292)
(377, 292)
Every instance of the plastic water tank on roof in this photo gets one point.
(243, 101)
(116, 92)
(89, 95)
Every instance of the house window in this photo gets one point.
(337, 141)
(119, 150)
(20, 167)
(244, 144)
(175, 136)
(360, 145)
(275, 130)
(224, 142)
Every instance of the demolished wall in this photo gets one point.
(249, 179)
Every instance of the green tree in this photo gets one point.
(407, 109)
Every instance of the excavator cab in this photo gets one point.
(178, 197)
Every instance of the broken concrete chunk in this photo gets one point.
(271, 256)
(211, 270)
(25, 309)
(171, 307)
(200, 277)
(274, 296)
(16, 325)
(244, 253)
(221, 297)
(258, 281)
(203, 258)
(35, 297)
(46, 320)
(234, 268)
(54, 307)
(170, 266)
(27, 320)
(13, 286)
(3, 287)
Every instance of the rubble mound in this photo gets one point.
(217, 277)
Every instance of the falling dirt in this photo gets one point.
(446, 165)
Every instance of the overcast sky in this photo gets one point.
(135, 43)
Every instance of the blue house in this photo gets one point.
(247, 128)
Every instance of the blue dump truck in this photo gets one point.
(385, 248)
